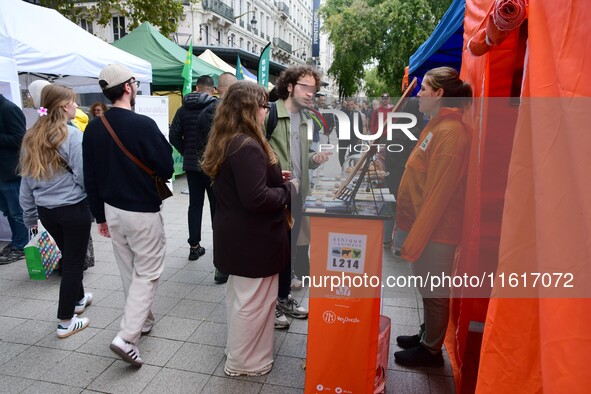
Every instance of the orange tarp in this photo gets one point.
(537, 345)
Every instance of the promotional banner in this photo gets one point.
(315, 29)
(264, 66)
(343, 322)
(188, 70)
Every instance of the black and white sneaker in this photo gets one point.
(76, 324)
(127, 351)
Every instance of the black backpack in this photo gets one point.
(272, 120)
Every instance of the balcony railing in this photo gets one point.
(220, 8)
(283, 8)
(279, 43)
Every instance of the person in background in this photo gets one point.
(252, 198)
(12, 130)
(430, 207)
(80, 120)
(206, 119)
(296, 88)
(52, 190)
(381, 114)
(189, 137)
(35, 89)
(125, 202)
(97, 109)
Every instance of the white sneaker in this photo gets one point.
(296, 283)
(127, 351)
(83, 303)
(77, 324)
(234, 372)
(281, 321)
(292, 308)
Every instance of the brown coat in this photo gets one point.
(250, 233)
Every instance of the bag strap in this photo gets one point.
(272, 120)
(124, 149)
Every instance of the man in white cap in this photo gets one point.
(124, 200)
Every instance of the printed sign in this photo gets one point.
(346, 252)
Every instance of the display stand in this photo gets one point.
(344, 317)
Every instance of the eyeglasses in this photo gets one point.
(266, 106)
(308, 88)
(385, 96)
(137, 83)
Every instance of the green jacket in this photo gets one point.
(280, 141)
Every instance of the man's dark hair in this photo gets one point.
(291, 76)
(205, 81)
(116, 92)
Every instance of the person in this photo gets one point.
(97, 109)
(394, 162)
(329, 118)
(189, 137)
(381, 114)
(296, 88)
(346, 146)
(52, 189)
(80, 121)
(12, 130)
(252, 198)
(430, 206)
(206, 119)
(125, 203)
(35, 88)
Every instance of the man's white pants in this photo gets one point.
(139, 245)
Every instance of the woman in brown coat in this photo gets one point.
(250, 231)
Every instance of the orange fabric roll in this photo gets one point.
(509, 14)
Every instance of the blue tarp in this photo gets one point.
(444, 46)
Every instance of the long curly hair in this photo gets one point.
(237, 114)
(39, 158)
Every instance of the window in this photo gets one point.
(86, 25)
(119, 27)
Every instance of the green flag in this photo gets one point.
(239, 70)
(264, 66)
(188, 71)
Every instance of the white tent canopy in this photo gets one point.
(9, 81)
(43, 42)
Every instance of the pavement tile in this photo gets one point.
(115, 299)
(197, 358)
(72, 342)
(190, 309)
(189, 276)
(34, 362)
(29, 332)
(39, 387)
(441, 384)
(287, 371)
(172, 381)
(210, 333)
(10, 350)
(174, 289)
(207, 293)
(99, 344)
(157, 351)
(122, 378)
(77, 370)
(401, 382)
(218, 314)
(34, 309)
(177, 328)
(220, 385)
(294, 345)
(7, 323)
(107, 282)
(101, 317)
(13, 384)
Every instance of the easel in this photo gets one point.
(346, 193)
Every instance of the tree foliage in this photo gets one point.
(161, 13)
(381, 32)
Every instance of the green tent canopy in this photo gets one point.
(167, 58)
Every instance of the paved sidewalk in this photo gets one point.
(185, 351)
